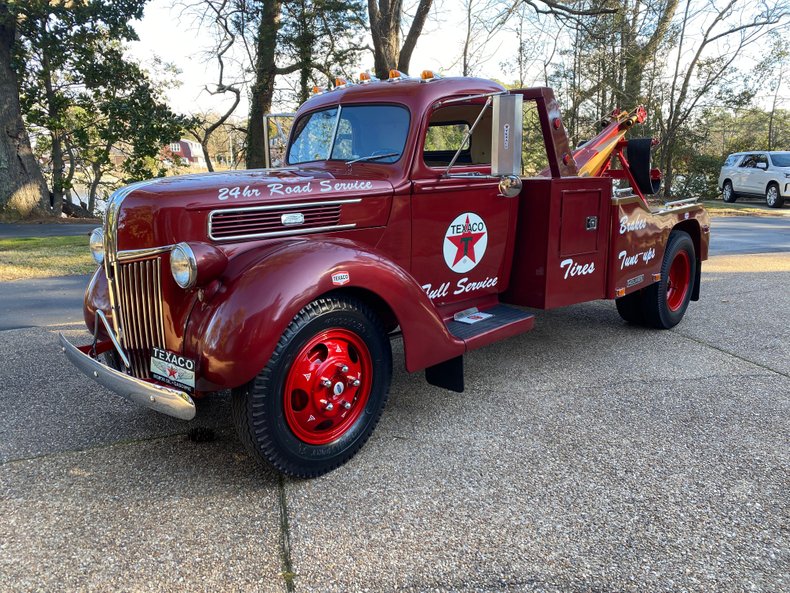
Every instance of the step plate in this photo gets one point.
(502, 316)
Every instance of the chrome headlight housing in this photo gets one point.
(183, 265)
(96, 244)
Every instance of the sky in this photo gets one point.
(173, 37)
(169, 34)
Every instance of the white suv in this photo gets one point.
(763, 174)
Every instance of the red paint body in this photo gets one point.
(537, 253)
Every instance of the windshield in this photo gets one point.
(781, 160)
(347, 133)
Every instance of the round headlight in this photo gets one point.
(97, 244)
(183, 265)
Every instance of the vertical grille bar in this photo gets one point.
(141, 314)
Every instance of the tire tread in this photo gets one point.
(255, 434)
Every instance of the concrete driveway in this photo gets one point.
(587, 455)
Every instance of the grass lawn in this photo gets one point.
(41, 257)
(719, 208)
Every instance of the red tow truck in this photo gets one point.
(402, 210)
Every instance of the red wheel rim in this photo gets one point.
(328, 386)
(678, 281)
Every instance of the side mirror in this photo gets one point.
(763, 166)
(506, 135)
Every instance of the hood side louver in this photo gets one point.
(276, 220)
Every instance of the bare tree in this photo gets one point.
(727, 29)
(201, 128)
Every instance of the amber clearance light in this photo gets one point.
(196, 264)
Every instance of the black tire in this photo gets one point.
(630, 308)
(259, 407)
(772, 197)
(658, 307)
(638, 155)
(727, 193)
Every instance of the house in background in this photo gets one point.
(189, 152)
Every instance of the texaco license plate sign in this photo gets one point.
(173, 369)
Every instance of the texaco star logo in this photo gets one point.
(465, 242)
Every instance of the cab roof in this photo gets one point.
(416, 94)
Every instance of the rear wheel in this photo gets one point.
(727, 193)
(664, 303)
(322, 392)
(772, 197)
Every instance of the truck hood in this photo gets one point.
(174, 209)
(257, 187)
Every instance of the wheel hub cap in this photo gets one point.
(327, 386)
(678, 281)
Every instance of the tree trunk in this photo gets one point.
(206, 156)
(94, 188)
(58, 164)
(263, 88)
(635, 55)
(773, 112)
(385, 31)
(385, 20)
(304, 43)
(22, 187)
(668, 177)
(468, 39)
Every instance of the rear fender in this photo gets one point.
(699, 231)
(234, 332)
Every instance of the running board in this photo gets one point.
(504, 322)
(498, 323)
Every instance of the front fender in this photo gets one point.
(235, 331)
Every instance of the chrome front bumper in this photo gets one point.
(159, 398)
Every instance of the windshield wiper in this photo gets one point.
(372, 157)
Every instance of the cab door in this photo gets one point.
(462, 229)
(461, 235)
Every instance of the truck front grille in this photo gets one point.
(139, 295)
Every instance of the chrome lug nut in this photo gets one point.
(326, 382)
(356, 383)
(330, 406)
(344, 369)
(346, 405)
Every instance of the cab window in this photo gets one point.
(447, 129)
(374, 133)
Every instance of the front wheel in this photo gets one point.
(772, 197)
(664, 302)
(727, 193)
(320, 396)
